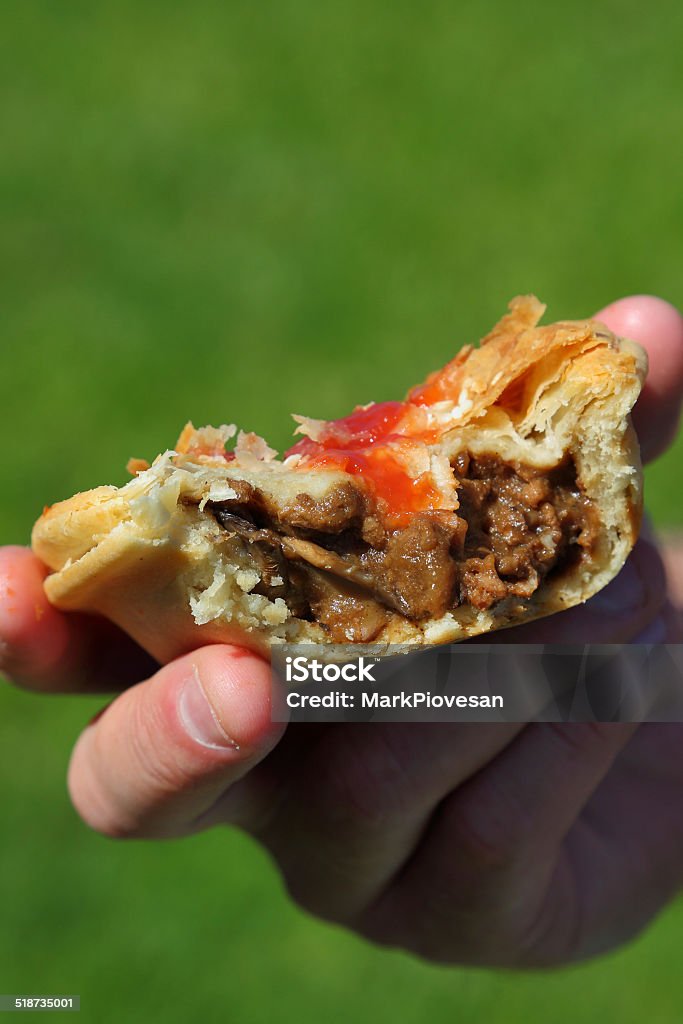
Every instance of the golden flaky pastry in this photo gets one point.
(506, 487)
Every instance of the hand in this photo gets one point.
(499, 845)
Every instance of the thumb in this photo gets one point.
(157, 758)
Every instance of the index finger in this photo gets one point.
(44, 649)
(658, 327)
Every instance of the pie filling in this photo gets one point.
(335, 563)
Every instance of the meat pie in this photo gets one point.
(506, 487)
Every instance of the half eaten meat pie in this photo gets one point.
(506, 487)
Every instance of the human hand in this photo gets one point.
(504, 844)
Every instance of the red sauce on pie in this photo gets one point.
(374, 442)
(363, 428)
(443, 384)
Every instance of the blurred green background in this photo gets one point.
(232, 211)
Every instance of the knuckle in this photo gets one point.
(158, 768)
(581, 738)
(119, 791)
(483, 831)
(361, 780)
(95, 806)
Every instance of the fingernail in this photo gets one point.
(626, 593)
(198, 717)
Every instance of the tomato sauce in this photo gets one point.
(443, 384)
(373, 442)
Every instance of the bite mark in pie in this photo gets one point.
(506, 487)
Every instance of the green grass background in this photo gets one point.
(232, 211)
